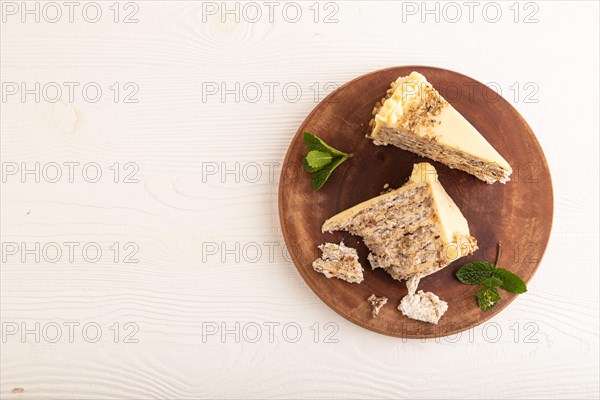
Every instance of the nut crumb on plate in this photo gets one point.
(376, 303)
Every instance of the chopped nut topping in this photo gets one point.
(418, 116)
(423, 114)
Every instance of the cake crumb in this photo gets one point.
(376, 303)
(339, 261)
(18, 390)
(421, 306)
(387, 185)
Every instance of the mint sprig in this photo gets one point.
(321, 159)
(490, 277)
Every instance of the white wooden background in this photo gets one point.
(187, 216)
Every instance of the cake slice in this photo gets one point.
(339, 261)
(415, 117)
(415, 230)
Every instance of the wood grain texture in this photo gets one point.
(518, 214)
(171, 292)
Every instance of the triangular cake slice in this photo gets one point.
(412, 231)
(415, 117)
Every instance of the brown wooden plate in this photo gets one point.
(518, 214)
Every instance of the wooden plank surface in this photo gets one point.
(203, 226)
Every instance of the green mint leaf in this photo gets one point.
(475, 273)
(318, 159)
(307, 167)
(491, 282)
(510, 282)
(487, 298)
(320, 177)
(490, 277)
(321, 159)
(314, 143)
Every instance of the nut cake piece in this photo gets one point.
(340, 262)
(415, 230)
(411, 232)
(415, 117)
